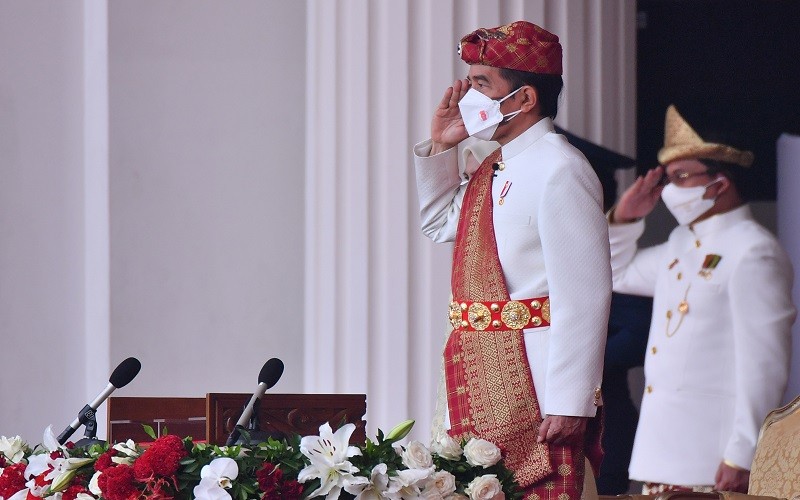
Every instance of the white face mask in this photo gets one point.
(481, 114)
(687, 203)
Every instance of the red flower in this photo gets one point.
(104, 461)
(161, 459)
(269, 475)
(71, 493)
(271, 481)
(292, 490)
(117, 483)
(272, 494)
(12, 480)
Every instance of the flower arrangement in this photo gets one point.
(326, 465)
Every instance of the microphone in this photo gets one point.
(122, 375)
(268, 376)
(496, 166)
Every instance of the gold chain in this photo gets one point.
(683, 309)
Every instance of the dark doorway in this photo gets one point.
(733, 62)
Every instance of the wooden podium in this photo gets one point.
(287, 414)
(213, 418)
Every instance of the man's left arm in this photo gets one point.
(762, 314)
(574, 236)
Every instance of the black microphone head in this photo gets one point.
(495, 166)
(271, 372)
(125, 372)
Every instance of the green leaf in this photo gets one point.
(149, 431)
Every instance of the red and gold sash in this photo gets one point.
(490, 391)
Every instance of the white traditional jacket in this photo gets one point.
(718, 353)
(552, 239)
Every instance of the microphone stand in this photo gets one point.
(253, 434)
(90, 433)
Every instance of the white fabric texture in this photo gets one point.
(552, 240)
(713, 374)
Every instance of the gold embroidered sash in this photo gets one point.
(490, 391)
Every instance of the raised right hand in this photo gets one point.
(640, 199)
(447, 126)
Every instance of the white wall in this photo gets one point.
(189, 151)
(207, 105)
(41, 216)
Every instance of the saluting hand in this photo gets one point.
(640, 199)
(447, 127)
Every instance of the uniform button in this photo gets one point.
(697, 243)
(654, 349)
(680, 275)
(649, 389)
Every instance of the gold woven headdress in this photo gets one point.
(681, 142)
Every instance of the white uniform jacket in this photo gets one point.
(718, 353)
(552, 239)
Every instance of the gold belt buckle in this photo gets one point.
(515, 315)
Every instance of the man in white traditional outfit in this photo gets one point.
(718, 351)
(531, 278)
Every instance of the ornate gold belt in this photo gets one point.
(500, 314)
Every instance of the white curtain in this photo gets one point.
(789, 234)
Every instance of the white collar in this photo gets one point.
(721, 221)
(525, 139)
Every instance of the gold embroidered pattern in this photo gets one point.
(500, 402)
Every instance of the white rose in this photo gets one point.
(12, 448)
(485, 487)
(447, 447)
(84, 496)
(430, 495)
(417, 456)
(441, 482)
(481, 453)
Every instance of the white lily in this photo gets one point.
(20, 495)
(408, 483)
(215, 478)
(126, 453)
(43, 462)
(94, 484)
(65, 469)
(373, 488)
(328, 454)
(12, 448)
